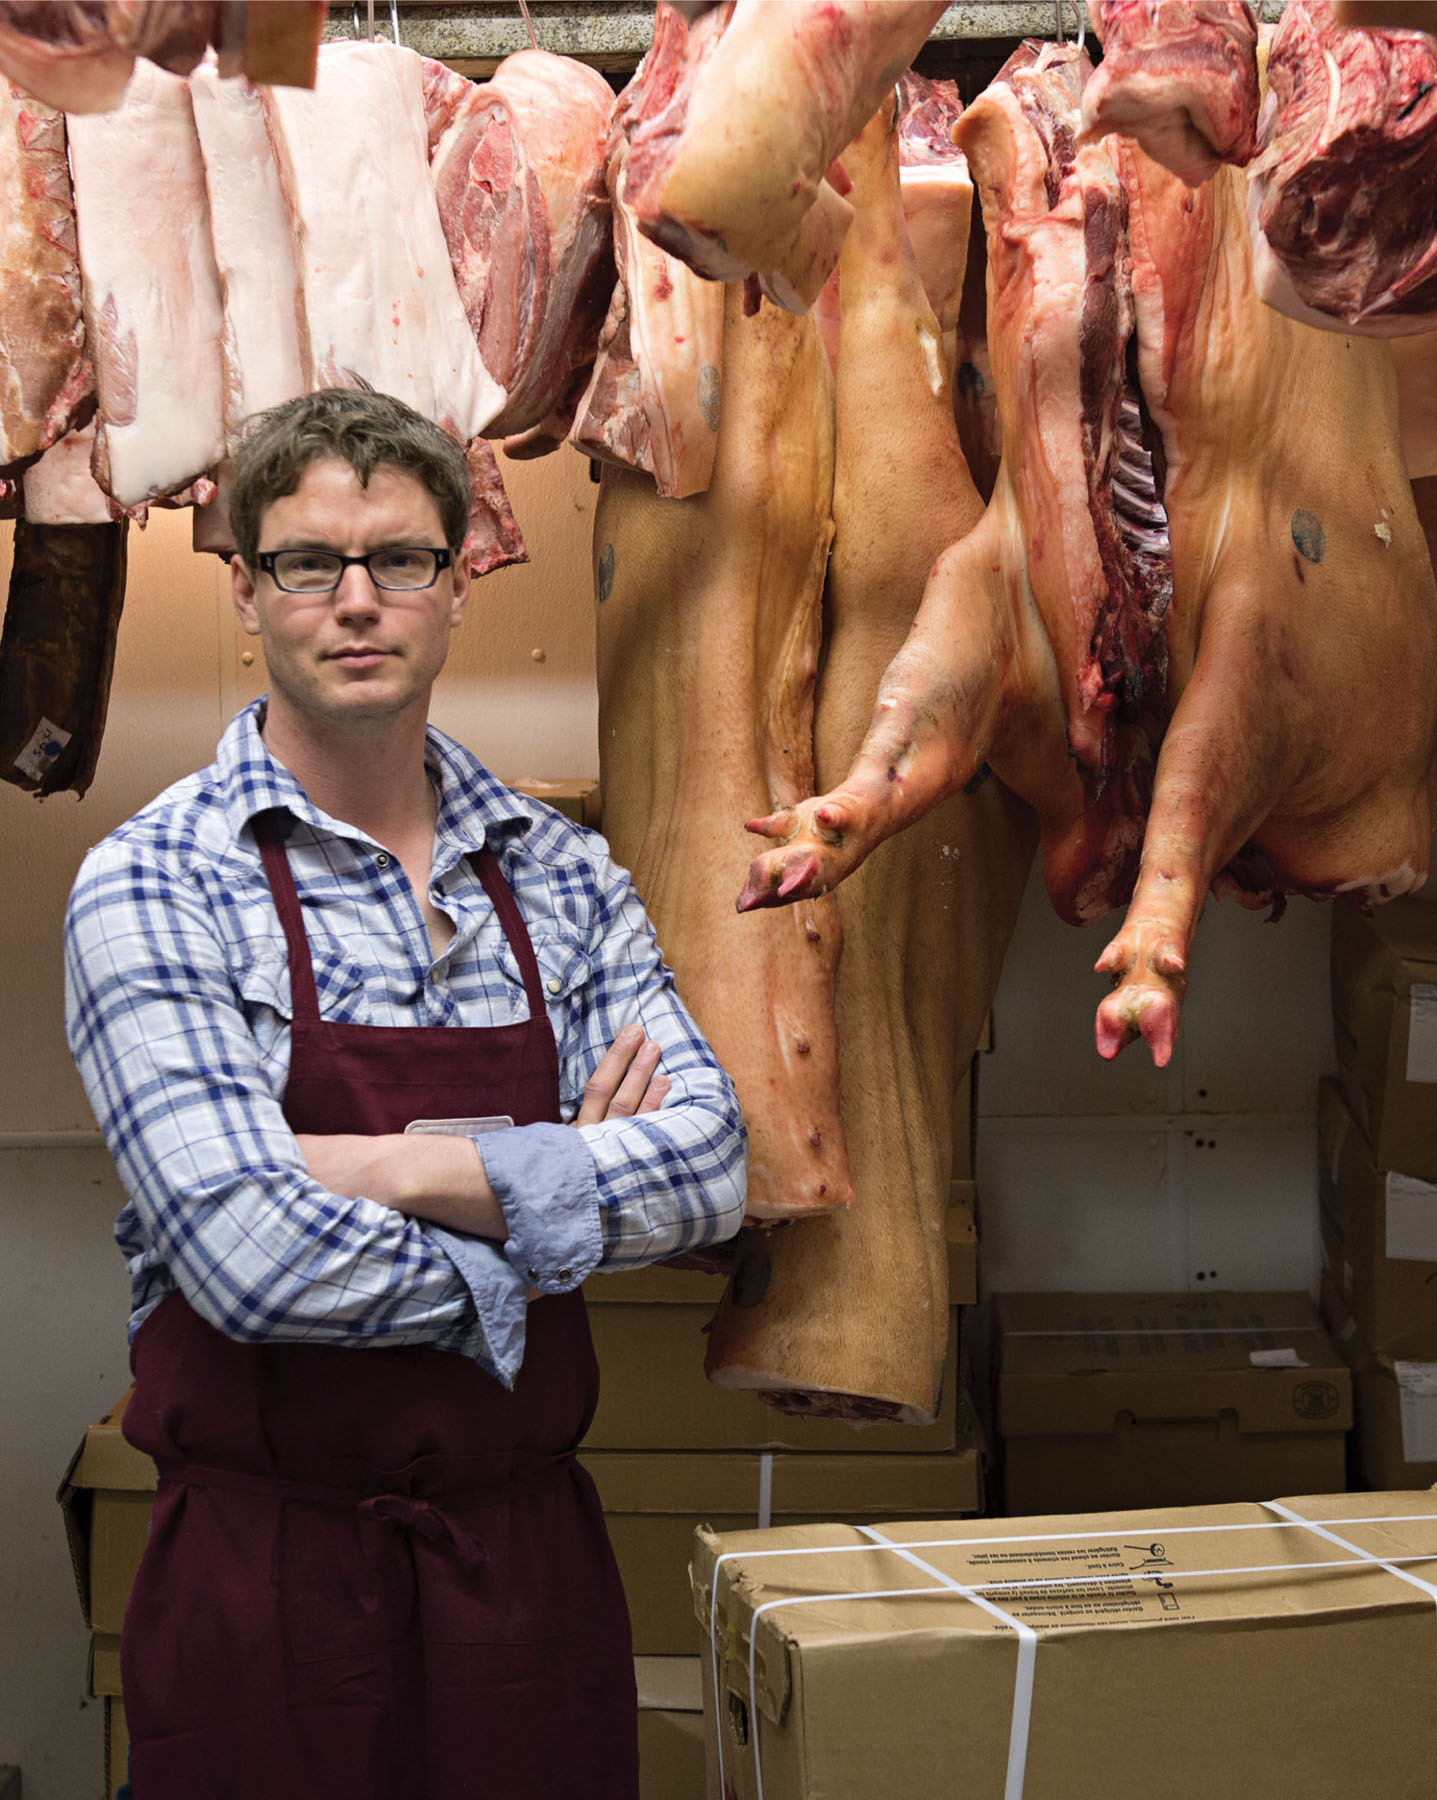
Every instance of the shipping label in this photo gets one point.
(1411, 1219)
(1422, 1033)
(1418, 1384)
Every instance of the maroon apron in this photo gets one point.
(376, 1573)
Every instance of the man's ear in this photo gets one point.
(459, 571)
(242, 593)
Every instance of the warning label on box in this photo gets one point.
(1078, 1584)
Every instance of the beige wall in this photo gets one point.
(179, 675)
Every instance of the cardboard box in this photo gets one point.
(1185, 1653)
(1394, 1400)
(577, 798)
(654, 1395)
(117, 1747)
(1384, 1007)
(106, 1495)
(653, 1502)
(1120, 1400)
(671, 1727)
(1379, 1239)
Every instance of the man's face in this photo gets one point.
(359, 654)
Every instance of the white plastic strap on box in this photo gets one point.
(1170, 1330)
(1027, 1638)
(765, 1490)
(1343, 1543)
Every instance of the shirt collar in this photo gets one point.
(474, 806)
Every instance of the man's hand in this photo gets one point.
(625, 1082)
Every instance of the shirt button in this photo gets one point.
(382, 859)
(533, 1274)
(566, 1275)
(554, 985)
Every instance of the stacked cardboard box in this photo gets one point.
(1122, 1400)
(1379, 1184)
(1281, 1650)
(1379, 1295)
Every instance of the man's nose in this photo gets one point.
(356, 593)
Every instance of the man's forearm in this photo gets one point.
(425, 1175)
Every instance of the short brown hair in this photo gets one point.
(358, 426)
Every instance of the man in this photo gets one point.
(361, 1358)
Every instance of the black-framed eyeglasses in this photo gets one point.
(399, 566)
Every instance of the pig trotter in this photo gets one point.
(815, 854)
(1149, 983)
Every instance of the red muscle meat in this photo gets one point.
(1344, 188)
(45, 377)
(519, 176)
(1180, 76)
(738, 124)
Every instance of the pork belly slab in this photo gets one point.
(380, 297)
(848, 1315)
(708, 636)
(45, 377)
(153, 314)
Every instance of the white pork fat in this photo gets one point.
(380, 298)
(153, 315)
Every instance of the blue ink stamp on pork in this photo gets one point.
(1308, 536)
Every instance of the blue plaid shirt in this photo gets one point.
(177, 1011)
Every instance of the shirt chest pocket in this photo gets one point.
(264, 989)
(565, 970)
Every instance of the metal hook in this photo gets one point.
(528, 23)
(370, 4)
(1079, 13)
(394, 18)
(356, 21)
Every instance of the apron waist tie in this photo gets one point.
(400, 1512)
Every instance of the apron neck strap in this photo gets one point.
(502, 897)
(269, 835)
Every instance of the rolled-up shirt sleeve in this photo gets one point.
(626, 1191)
(213, 1171)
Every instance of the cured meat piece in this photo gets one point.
(737, 122)
(57, 652)
(1344, 189)
(519, 177)
(1180, 76)
(937, 197)
(494, 539)
(65, 54)
(652, 402)
(153, 316)
(264, 347)
(708, 635)
(379, 293)
(279, 45)
(1038, 649)
(45, 376)
(1303, 598)
(848, 1315)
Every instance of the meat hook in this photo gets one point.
(528, 23)
(1079, 13)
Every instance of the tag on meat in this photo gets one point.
(848, 1315)
(708, 636)
(737, 124)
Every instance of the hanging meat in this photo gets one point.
(848, 1315)
(1344, 189)
(78, 55)
(708, 636)
(379, 293)
(1180, 76)
(738, 120)
(653, 399)
(1131, 478)
(153, 315)
(57, 652)
(937, 198)
(519, 177)
(45, 376)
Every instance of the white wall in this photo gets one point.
(1090, 1175)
